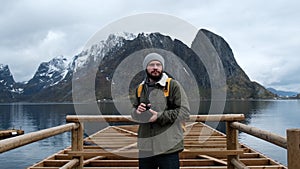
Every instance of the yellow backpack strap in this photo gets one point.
(139, 90)
(167, 89)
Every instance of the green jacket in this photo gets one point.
(165, 135)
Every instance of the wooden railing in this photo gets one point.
(291, 143)
(75, 125)
(18, 141)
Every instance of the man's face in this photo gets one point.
(154, 69)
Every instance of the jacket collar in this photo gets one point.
(162, 82)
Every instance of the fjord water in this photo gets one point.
(271, 115)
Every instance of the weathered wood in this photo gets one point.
(127, 118)
(125, 153)
(55, 163)
(260, 161)
(216, 117)
(214, 159)
(100, 118)
(92, 159)
(232, 143)
(77, 144)
(238, 164)
(18, 141)
(72, 163)
(293, 148)
(10, 133)
(262, 134)
(134, 153)
(188, 167)
(125, 131)
(42, 168)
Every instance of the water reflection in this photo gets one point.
(33, 117)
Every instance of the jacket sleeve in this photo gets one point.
(180, 109)
(135, 104)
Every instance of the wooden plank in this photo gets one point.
(196, 162)
(55, 163)
(268, 167)
(188, 167)
(124, 130)
(92, 159)
(214, 159)
(103, 153)
(42, 168)
(113, 163)
(208, 151)
(127, 118)
(256, 161)
(62, 157)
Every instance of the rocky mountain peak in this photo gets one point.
(48, 74)
(97, 51)
(6, 77)
(8, 87)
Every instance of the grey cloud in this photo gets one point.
(262, 34)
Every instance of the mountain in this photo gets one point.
(281, 93)
(239, 86)
(48, 80)
(48, 74)
(88, 77)
(9, 89)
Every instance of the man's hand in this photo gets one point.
(154, 115)
(142, 107)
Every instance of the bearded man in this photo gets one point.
(160, 106)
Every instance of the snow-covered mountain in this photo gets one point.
(9, 89)
(48, 74)
(57, 73)
(53, 80)
(6, 78)
(97, 51)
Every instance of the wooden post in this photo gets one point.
(293, 148)
(77, 143)
(232, 143)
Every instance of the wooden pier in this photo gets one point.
(115, 147)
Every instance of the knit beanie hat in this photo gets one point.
(153, 56)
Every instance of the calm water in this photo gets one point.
(275, 116)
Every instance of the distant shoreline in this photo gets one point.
(111, 101)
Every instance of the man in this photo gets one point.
(161, 107)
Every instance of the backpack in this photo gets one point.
(166, 90)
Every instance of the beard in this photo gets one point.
(154, 75)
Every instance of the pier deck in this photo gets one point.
(115, 147)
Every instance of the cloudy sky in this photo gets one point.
(264, 35)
